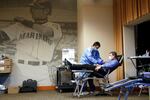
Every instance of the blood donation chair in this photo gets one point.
(81, 81)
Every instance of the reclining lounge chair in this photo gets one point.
(82, 80)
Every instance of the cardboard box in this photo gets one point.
(5, 69)
(13, 90)
(8, 62)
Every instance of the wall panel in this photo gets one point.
(135, 13)
(129, 10)
(144, 7)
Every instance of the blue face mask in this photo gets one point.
(110, 57)
(94, 48)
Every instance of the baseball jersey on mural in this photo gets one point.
(37, 43)
(34, 48)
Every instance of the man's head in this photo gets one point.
(40, 9)
(96, 45)
(112, 55)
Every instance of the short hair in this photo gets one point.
(113, 53)
(96, 44)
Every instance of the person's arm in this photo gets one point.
(110, 64)
(4, 37)
(98, 67)
(99, 59)
(24, 21)
(92, 59)
(107, 65)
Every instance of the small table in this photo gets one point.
(138, 58)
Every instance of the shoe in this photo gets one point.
(73, 81)
(84, 93)
(91, 93)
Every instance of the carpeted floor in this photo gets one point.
(53, 95)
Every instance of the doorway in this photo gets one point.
(136, 40)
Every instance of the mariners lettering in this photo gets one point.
(36, 36)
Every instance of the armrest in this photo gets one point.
(81, 74)
(87, 71)
(106, 76)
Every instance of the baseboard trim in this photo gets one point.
(46, 87)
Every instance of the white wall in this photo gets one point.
(95, 23)
(129, 50)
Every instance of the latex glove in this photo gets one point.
(98, 67)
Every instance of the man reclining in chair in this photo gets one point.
(98, 70)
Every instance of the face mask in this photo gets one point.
(94, 48)
(110, 58)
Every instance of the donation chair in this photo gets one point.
(81, 81)
(106, 76)
(120, 60)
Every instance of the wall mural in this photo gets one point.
(36, 46)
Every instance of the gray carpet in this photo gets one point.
(53, 95)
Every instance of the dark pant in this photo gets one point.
(82, 67)
(91, 85)
(100, 73)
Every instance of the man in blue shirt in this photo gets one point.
(91, 56)
(110, 64)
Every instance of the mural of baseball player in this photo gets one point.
(33, 43)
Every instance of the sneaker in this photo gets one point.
(73, 81)
(91, 93)
(84, 93)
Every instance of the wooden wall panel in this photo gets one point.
(118, 30)
(135, 11)
(129, 10)
(123, 12)
(148, 6)
(139, 8)
(144, 7)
